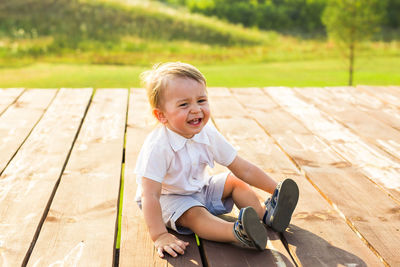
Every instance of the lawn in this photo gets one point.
(327, 72)
(41, 47)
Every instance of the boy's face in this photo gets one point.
(184, 106)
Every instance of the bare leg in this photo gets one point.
(210, 227)
(207, 226)
(242, 194)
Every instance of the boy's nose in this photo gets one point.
(195, 109)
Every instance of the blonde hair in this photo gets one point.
(155, 80)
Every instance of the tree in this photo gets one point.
(350, 22)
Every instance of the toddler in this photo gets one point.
(174, 189)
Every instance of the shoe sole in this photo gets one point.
(287, 200)
(254, 228)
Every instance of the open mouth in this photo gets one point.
(195, 122)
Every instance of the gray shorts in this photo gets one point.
(173, 206)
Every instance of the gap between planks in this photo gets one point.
(71, 221)
(125, 137)
(305, 163)
(46, 211)
(31, 180)
(259, 102)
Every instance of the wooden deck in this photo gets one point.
(67, 159)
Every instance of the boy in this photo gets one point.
(174, 189)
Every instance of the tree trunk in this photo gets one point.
(351, 63)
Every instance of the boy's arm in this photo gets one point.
(252, 174)
(163, 241)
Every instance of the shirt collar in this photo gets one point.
(177, 141)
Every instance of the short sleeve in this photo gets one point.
(223, 152)
(152, 161)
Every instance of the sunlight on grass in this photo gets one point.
(373, 71)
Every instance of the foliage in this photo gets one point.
(285, 16)
(391, 21)
(138, 32)
(71, 22)
(353, 21)
(392, 18)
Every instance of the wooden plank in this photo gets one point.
(369, 104)
(227, 255)
(394, 90)
(317, 235)
(80, 227)
(137, 248)
(18, 120)
(27, 183)
(250, 145)
(377, 223)
(374, 131)
(8, 96)
(354, 201)
(383, 93)
(374, 163)
(219, 103)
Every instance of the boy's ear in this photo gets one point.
(159, 114)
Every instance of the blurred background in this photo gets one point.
(235, 43)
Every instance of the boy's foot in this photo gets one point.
(280, 206)
(249, 230)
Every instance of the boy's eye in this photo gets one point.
(202, 100)
(183, 105)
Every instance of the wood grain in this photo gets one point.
(27, 183)
(368, 104)
(373, 131)
(137, 248)
(19, 119)
(317, 235)
(61, 157)
(232, 125)
(8, 96)
(80, 227)
(373, 162)
(389, 95)
(354, 188)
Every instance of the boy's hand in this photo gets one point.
(170, 244)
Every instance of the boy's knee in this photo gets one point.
(191, 215)
(232, 183)
(237, 183)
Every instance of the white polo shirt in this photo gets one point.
(180, 163)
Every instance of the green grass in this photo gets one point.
(381, 71)
(369, 70)
(140, 32)
(110, 42)
(67, 25)
(70, 75)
